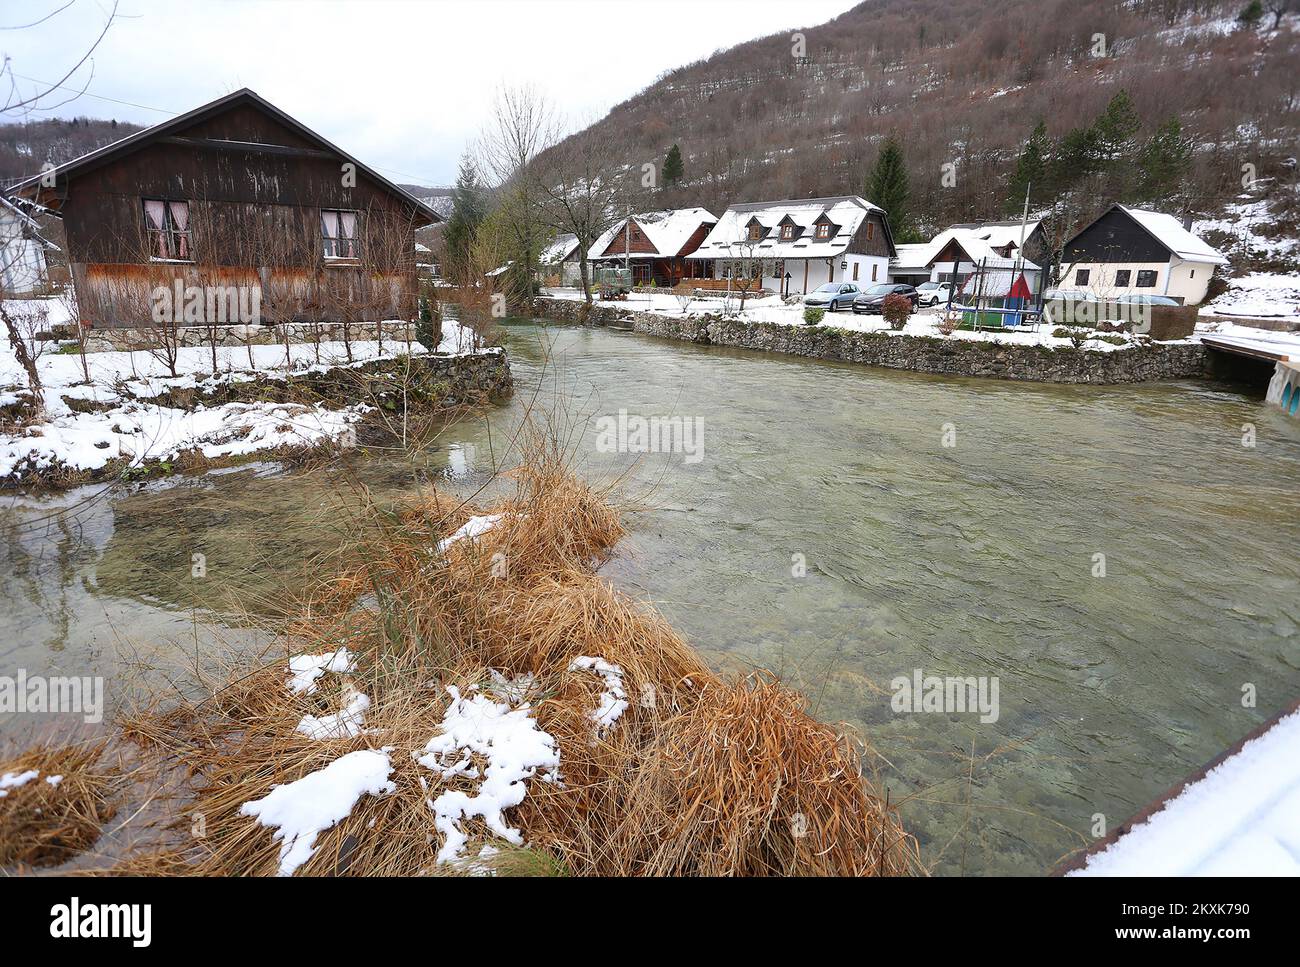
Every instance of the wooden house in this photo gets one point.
(235, 194)
(655, 245)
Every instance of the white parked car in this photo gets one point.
(932, 293)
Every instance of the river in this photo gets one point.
(842, 527)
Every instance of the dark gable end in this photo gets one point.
(221, 148)
(1115, 237)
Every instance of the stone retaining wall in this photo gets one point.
(922, 354)
(126, 340)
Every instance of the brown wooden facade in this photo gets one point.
(650, 266)
(255, 183)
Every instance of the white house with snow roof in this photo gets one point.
(799, 244)
(1130, 251)
(655, 245)
(959, 250)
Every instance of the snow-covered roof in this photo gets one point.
(668, 230)
(979, 250)
(1169, 232)
(980, 240)
(559, 250)
(845, 212)
(911, 255)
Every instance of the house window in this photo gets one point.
(1122, 277)
(874, 267)
(871, 231)
(167, 224)
(755, 232)
(855, 271)
(1081, 276)
(787, 232)
(1146, 278)
(778, 269)
(824, 230)
(339, 234)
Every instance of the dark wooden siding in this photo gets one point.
(1115, 237)
(876, 244)
(253, 214)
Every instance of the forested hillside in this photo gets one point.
(1162, 101)
(25, 146)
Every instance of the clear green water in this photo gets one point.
(972, 560)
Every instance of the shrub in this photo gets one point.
(812, 315)
(948, 323)
(895, 310)
(427, 333)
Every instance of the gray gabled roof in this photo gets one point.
(134, 142)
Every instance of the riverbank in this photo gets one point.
(137, 413)
(497, 708)
(1040, 361)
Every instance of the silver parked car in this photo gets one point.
(832, 296)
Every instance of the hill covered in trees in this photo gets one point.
(1158, 101)
(27, 145)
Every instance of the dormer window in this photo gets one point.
(755, 231)
(787, 232)
(823, 230)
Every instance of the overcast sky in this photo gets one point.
(401, 85)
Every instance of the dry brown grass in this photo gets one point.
(45, 825)
(698, 777)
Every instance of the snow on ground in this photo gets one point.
(772, 309)
(131, 427)
(1241, 819)
(1268, 340)
(613, 700)
(1245, 220)
(1261, 295)
(13, 780)
(300, 811)
(304, 670)
(472, 528)
(346, 723)
(515, 749)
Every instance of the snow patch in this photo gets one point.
(613, 700)
(300, 811)
(515, 749)
(13, 780)
(304, 670)
(344, 724)
(472, 528)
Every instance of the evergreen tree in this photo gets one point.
(1163, 161)
(673, 168)
(468, 209)
(888, 186)
(1031, 169)
(1116, 129)
(1076, 157)
(1251, 14)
